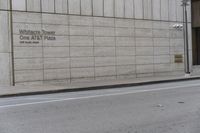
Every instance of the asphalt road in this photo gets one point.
(160, 108)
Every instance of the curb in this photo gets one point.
(97, 87)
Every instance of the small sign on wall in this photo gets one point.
(178, 58)
(34, 36)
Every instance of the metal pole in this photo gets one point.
(185, 30)
(186, 39)
(12, 47)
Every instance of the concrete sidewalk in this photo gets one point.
(9, 91)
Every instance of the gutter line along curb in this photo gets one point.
(96, 87)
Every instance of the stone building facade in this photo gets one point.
(63, 41)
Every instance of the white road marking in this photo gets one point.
(97, 96)
(40, 98)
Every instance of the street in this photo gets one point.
(159, 108)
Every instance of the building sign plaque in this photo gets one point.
(178, 58)
(35, 36)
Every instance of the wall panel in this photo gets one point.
(164, 9)
(61, 6)
(129, 8)
(4, 4)
(48, 6)
(179, 10)
(86, 7)
(74, 6)
(33, 5)
(156, 9)
(147, 9)
(172, 10)
(109, 8)
(119, 8)
(138, 6)
(98, 7)
(19, 5)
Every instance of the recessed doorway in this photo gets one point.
(196, 31)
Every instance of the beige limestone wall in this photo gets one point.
(94, 48)
(5, 48)
(94, 40)
(139, 9)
